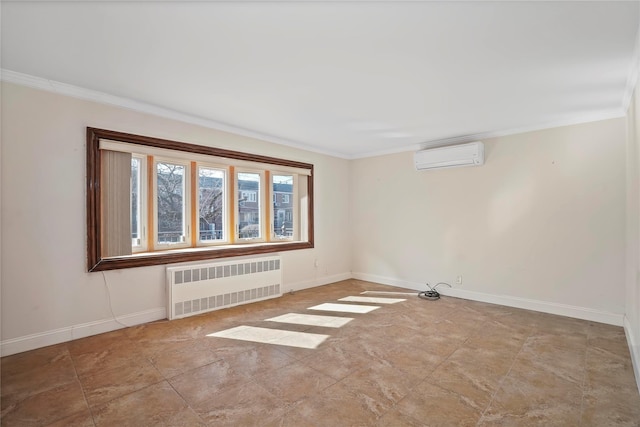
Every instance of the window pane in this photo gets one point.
(249, 206)
(211, 204)
(283, 206)
(136, 235)
(171, 196)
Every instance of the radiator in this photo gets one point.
(196, 289)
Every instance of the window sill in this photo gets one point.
(146, 259)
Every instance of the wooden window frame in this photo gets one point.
(95, 260)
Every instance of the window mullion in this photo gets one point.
(150, 205)
(233, 206)
(195, 229)
(266, 213)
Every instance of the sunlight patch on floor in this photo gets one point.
(312, 320)
(344, 308)
(372, 300)
(389, 293)
(272, 336)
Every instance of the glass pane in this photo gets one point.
(135, 202)
(211, 204)
(170, 215)
(249, 206)
(282, 206)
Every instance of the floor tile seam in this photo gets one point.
(410, 388)
(29, 396)
(297, 361)
(84, 392)
(53, 387)
(337, 380)
(287, 405)
(55, 420)
(283, 351)
(354, 391)
(106, 402)
(186, 403)
(436, 366)
(584, 382)
(316, 391)
(244, 378)
(499, 387)
(91, 372)
(294, 407)
(464, 398)
(612, 354)
(167, 378)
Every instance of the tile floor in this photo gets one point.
(450, 362)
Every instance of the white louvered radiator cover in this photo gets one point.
(196, 289)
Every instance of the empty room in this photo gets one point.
(320, 213)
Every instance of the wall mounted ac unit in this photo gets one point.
(471, 154)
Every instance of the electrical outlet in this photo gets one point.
(459, 280)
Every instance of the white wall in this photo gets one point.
(47, 295)
(632, 299)
(540, 225)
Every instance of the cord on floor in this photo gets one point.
(432, 294)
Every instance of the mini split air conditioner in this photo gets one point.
(471, 154)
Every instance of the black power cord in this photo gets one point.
(432, 294)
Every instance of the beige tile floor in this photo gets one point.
(450, 362)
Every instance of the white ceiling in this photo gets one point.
(352, 79)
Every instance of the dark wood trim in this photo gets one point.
(193, 148)
(311, 211)
(94, 243)
(159, 258)
(95, 262)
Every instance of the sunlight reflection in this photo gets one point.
(312, 320)
(345, 308)
(373, 300)
(272, 336)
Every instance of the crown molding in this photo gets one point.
(142, 107)
(105, 98)
(602, 115)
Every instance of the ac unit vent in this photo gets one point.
(471, 154)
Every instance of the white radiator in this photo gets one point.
(196, 289)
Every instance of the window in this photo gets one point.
(249, 224)
(138, 231)
(284, 189)
(171, 208)
(152, 202)
(211, 205)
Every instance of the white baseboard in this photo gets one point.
(389, 281)
(57, 336)
(319, 281)
(509, 301)
(634, 349)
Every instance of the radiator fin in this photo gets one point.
(201, 288)
(199, 273)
